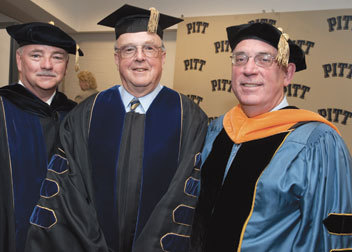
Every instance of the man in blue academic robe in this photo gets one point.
(274, 177)
(30, 113)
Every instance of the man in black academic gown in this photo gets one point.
(30, 113)
(129, 174)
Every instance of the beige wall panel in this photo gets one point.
(4, 57)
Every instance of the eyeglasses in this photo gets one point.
(129, 51)
(262, 59)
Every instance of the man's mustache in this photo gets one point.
(46, 73)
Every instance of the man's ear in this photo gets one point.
(68, 59)
(163, 57)
(117, 59)
(290, 71)
(19, 61)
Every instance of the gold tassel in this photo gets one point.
(283, 54)
(77, 58)
(153, 20)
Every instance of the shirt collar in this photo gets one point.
(282, 104)
(48, 101)
(145, 101)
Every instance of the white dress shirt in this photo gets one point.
(145, 101)
(48, 101)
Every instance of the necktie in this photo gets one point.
(134, 104)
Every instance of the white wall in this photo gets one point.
(4, 57)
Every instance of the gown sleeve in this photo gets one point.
(303, 198)
(326, 202)
(65, 218)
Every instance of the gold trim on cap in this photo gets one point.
(153, 20)
(77, 58)
(283, 54)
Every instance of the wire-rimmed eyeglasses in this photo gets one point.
(129, 51)
(261, 59)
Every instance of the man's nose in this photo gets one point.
(46, 63)
(140, 54)
(250, 67)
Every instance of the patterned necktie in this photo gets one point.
(134, 104)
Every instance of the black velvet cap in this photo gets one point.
(266, 33)
(42, 34)
(130, 19)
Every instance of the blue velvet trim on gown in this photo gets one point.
(104, 145)
(29, 165)
(49, 188)
(192, 187)
(43, 217)
(173, 242)
(161, 150)
(58, 164)
(197, 161)
(161, 145)
(183, 215)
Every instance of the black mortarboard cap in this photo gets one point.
(269, 34)
(130, 19)
(43, 34)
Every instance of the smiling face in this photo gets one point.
(259, 89)
(41, 68)
(139, 74)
